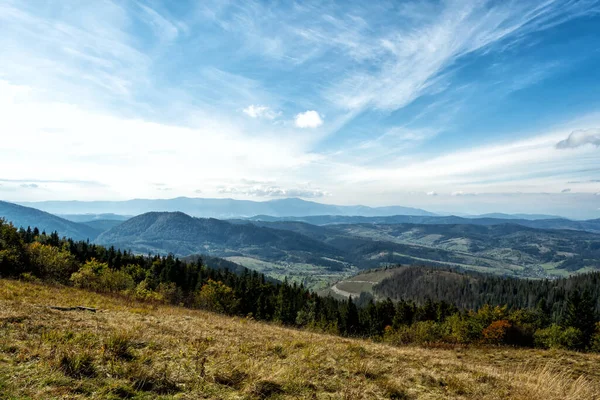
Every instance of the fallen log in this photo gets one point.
(76, 308)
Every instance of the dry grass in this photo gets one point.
(133, 350)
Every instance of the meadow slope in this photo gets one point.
(137, 350)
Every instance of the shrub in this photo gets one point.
(217, 297)
(51, 263)
(97, 276)
(143, 292)
(462, 329)
(496, 332)
(557, 337)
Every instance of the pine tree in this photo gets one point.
(580, 314)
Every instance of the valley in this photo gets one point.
(321, 250)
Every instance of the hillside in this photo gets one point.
(134, 350)
(466, 289)
(281, 251)
(218, 208)
(506, 249)
(26, 216)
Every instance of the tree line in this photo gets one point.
(33, 255)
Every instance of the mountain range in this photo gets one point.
(326, 247)
(300, 249)
(218, 208)
(25, 217)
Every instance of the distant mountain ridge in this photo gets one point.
(21, 216)
(592, 225)
(218, 208)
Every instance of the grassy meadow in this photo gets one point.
(129, 350)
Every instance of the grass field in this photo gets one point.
(142, 351)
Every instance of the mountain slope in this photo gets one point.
(173, 352)
(178, 233)
(299, 249)
(218, 208)
(21, 216)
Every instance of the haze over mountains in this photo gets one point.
(219, 208)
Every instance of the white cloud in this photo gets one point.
(308, 119)
(432, 193)
(580, 137)
(258, 111)
(273, 191)
(216, 150)
(414, 58)
(461, 193)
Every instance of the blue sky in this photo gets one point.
(466, 106)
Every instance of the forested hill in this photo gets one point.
(178, 233)
(25, 217)
(471, 290)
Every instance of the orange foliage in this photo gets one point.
(496, 331)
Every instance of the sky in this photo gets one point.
(451, 106)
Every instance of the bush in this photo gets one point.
(557, 337)
(496, 332)
(51, 263)
(421, 332)
(97, 276)
(217, 297)
(143, 292)
(462, 329)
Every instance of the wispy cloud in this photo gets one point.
(258, 111)
(417, 59)
(273, 191)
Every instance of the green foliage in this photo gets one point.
(12, 251)
(581, 315)
(97, 276)
(51, 263)
(557, 337)
(217, 297)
